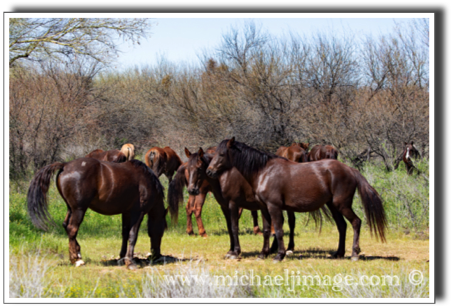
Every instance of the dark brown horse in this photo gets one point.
(163, 161)
(113, 155)
(409, 151)
(281, 184)
(197, 198)
(231, 191)
(320, 152)
(297, 152)
(129, 188)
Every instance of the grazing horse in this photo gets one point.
(163, 161)
(320, 152)
(281, 184)
(129, 188)
(295, 152)
(129, 151)
(231, 191)
(113, 155)
(409, 151)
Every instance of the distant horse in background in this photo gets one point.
(129, 151)
(409, 151)
(302, 187)
(320, 152)
(232, 192)
(297, 152)
(163, 161)
(196, 197)
(113, 155)
(129, 188)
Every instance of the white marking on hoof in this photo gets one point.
(84, 163)
(78, 263)
(355, 258)
(289, 253)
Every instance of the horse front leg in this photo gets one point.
(234, 214)
(277, 221)
(266, 234)
(189, 211)
(125, 234)
(198, 207)
(228, 220)
(291, 220)
(135, 221)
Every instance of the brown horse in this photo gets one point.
(320, 152)
(295, 152)
(231, 191)
(129, 188)
(409, 151)
(163, 161)
(113, 155)
(197, 197)
(129, 151)
(281, 184)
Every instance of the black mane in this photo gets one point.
(155, 181)
(246, 159)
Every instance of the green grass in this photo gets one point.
(406, 201)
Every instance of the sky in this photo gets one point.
(183, 39)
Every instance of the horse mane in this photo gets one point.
(246, 159)
(147, 171)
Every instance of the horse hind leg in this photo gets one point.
(342, 227)
(125, 234)
(255, 219)
(75, 219)
(356, 222)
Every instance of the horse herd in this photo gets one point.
(240, 177)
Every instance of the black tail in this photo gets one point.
(37, 200)
(372, 203)
(175, 192)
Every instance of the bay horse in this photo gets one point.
(197, 197)
(231, 191)
(113, 155)
(129, 188)
(129, 151)
(281, 184)
(320, 152)
(162, 161)
(409, 151)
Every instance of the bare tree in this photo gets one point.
(62, 38)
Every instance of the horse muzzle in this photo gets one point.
(194, 191)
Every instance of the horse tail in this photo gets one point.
(175, 192)
(37, 200)
(372, 204)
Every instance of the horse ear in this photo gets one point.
(200, 152)
(412, 143)
(230, 142)
(293, 144)
(406, 143)
(187, 152)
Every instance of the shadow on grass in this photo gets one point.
(144, 261)
(319, 254)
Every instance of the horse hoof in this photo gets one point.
(355, 258)
(289, 253)
(204, 236)
(132, 267)
(79, 262)
(233, 257)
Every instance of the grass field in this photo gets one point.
(39, 265)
